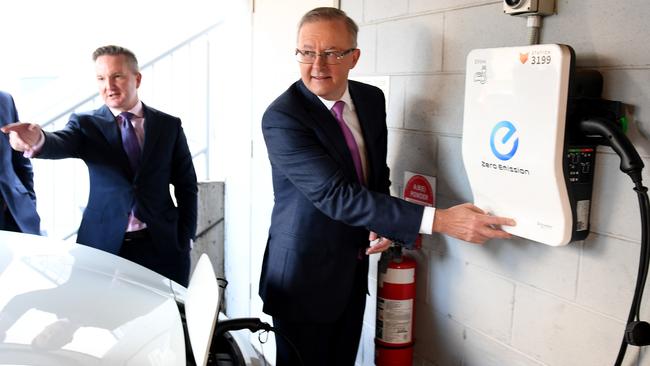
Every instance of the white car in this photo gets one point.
(69, 304)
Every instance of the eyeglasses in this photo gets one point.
(331, 57)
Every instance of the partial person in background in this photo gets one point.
(133, 153)
(326, 138)
(17, 196)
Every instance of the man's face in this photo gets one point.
(326, 81)
(118, 84)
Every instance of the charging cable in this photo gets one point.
(637, 332)
(254, 325)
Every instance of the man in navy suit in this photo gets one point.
(326, 139)
(17, 196)
(133, 153)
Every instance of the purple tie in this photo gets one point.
(130, 140)
(349, 139)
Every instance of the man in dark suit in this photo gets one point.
(17, 196)
(326, 139)
(133, 153)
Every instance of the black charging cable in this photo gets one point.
(637, 332)
(254, 325)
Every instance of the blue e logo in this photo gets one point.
(500, 148)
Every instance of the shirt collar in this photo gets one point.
(345, 97)
(136, 110)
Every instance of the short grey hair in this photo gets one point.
(113, 50)
(327, 13)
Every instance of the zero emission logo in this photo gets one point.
(502, 140)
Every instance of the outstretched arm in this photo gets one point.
(23, 136)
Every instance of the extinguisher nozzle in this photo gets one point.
(394, 253)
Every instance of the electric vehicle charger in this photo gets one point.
(515, 152)
(603, 122)
(545, 183)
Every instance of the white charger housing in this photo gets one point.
(514, 143)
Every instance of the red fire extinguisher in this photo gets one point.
(395, 310)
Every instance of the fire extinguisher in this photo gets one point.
(395, 309)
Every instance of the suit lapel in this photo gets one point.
(327, 124)
(151, 133)
(107, 124)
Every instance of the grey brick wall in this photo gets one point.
(509, 302)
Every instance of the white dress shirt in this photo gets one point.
(351, 119)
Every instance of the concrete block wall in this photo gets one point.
(509, 302)
(210, 226)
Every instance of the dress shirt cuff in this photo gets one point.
(34, 150)
(426, 226)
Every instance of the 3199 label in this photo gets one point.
(540, 60)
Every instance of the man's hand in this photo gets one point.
(470, 223)
(377, 243)
(23, 136)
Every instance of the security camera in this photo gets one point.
(529, 7)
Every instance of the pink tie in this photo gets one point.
(130, 140)
(349, 139)
(131, 147)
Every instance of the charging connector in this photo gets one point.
(611, 135)
(252, 324)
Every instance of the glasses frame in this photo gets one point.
(339, 55)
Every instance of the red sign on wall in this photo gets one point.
(420, 189)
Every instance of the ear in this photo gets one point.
(355, 57)
(138, 80)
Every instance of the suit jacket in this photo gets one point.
(16, 175)
(322, 215)
(94, 137)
